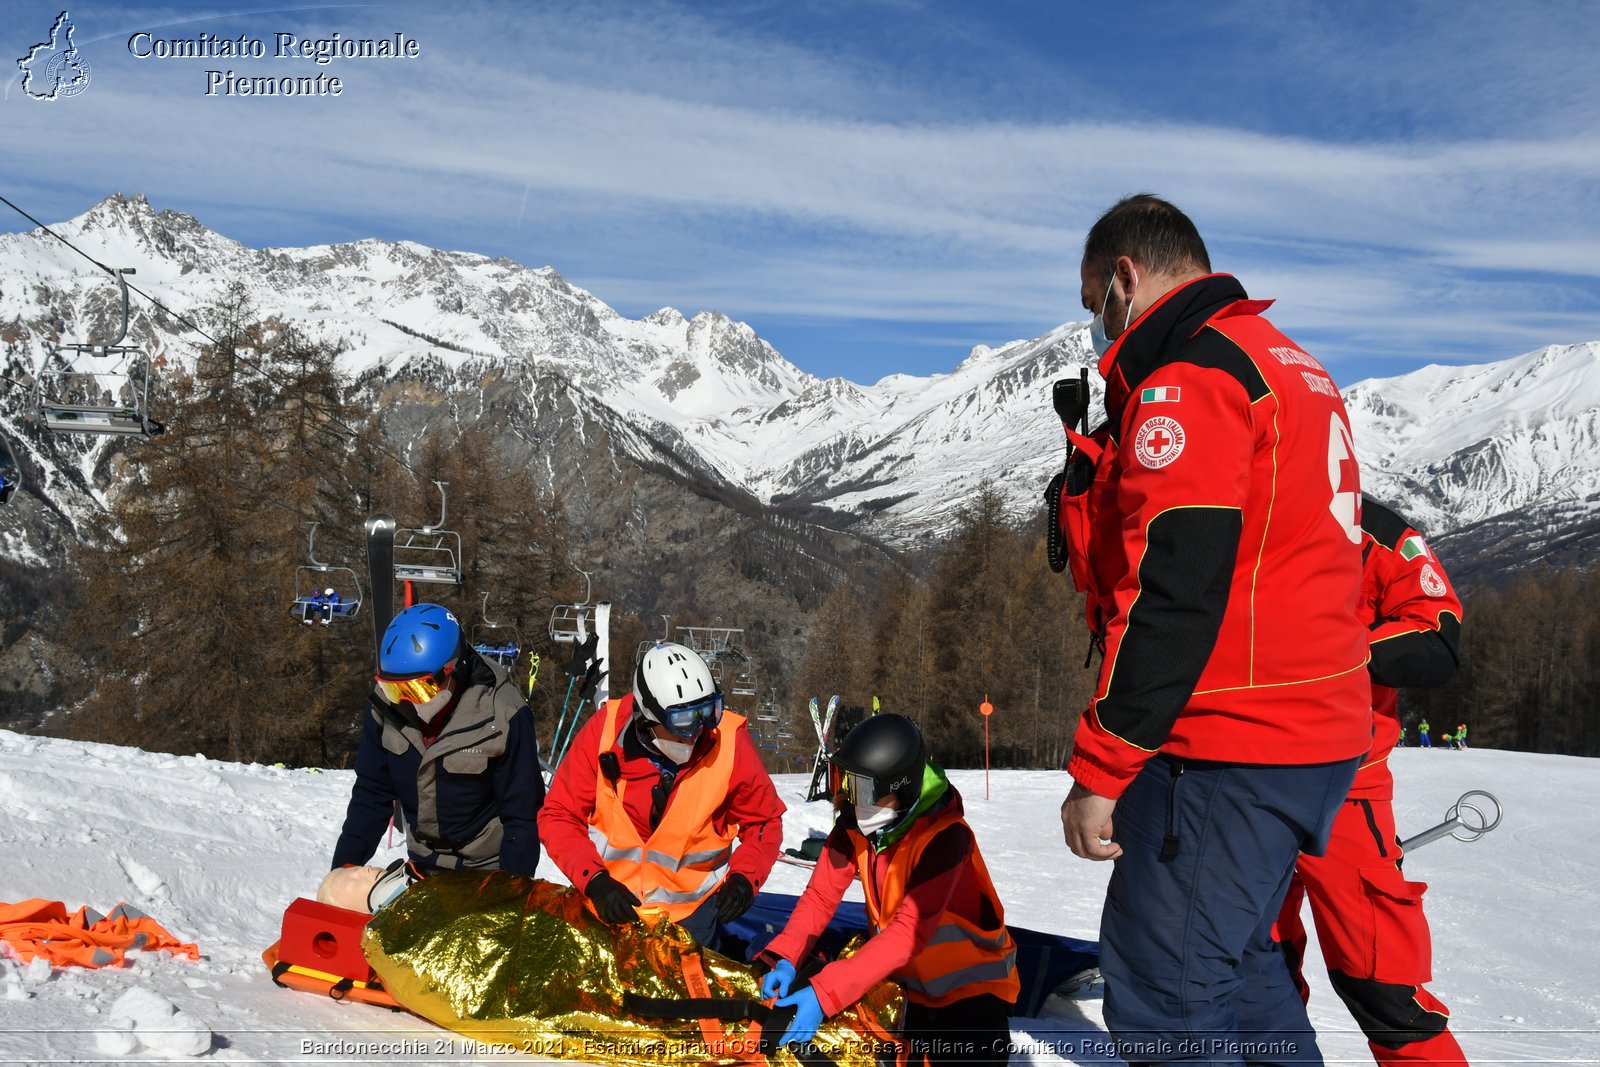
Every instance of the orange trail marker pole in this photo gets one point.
(987, 709)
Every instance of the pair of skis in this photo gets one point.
(823, 724)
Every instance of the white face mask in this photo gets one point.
(1097, 326)
(429, 710)
(870, 818)
(676, 751)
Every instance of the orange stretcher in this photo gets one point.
(319, 951)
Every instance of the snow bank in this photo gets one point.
(215, 850)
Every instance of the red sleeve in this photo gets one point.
(1416, 622)
(564, 819)
(832, 875)
(753, 803)
(1413, 593)
(1183, 467)
(928, 892)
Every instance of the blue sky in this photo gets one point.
(878, 185)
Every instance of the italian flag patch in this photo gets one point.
(1413, 546)
(1160, 394)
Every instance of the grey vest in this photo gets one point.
(475, 734)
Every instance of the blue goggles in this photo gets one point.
(685, 720)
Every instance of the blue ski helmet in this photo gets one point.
(420, 640)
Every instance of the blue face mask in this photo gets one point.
(1097, 326)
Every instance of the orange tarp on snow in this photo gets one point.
(84, 938)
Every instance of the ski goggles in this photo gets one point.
(685, 720)
(419, 689)
(857, 788)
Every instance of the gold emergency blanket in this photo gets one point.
(519, 964)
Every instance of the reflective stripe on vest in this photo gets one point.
(685, 858)
(960, 959)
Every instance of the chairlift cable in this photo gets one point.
(184, 320)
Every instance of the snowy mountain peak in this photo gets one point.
(1463, 444)
(669, 317)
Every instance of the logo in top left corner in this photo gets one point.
(54, 68)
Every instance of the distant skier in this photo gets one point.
(644, 810)
(449, 739)
(1369, 918)
(1449, 740)
(1423, 740)
(939, 926)
(1461, 735)
(1402, 742)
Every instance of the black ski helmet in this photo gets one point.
(888, 749)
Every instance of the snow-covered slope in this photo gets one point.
(1463, 444)
(216, 850)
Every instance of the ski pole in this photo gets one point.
(577, 718)
(562, 721)
(1464, 817)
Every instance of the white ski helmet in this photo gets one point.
(673, 686)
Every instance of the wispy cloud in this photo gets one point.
(658, 155)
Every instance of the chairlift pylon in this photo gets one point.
(503, 647)
(432, 553)
(312, 601)
(97, 388)
(569, 623)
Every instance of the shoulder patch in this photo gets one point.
(1432, 584)
(1158, 442)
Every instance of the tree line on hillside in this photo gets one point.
(1530, 666)
(985, 617)
(183, 600)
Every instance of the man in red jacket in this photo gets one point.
(1232, 707)
(644, 810)
(1370, 926)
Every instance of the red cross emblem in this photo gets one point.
(1159, 441)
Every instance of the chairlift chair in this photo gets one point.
(10, 473)
(569, 623)
(742, 678)
(85, 387)
(310, 602)
(433, 553)
(496, 641)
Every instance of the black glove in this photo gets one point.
(734, 898)
(613, 901)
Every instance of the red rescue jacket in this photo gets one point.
(1414, 619)
(1223, 548)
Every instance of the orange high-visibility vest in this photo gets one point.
(961, 959)
(686, 857)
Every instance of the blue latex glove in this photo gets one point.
(806, 1019)
(775, 983)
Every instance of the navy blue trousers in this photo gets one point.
(1192, 972)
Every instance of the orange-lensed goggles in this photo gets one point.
(855, 788)
(418, 690)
